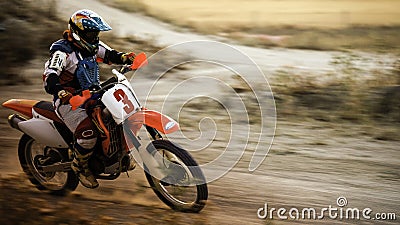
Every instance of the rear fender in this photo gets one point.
(154, 119)
(23, 106)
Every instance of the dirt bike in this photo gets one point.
(45, 153)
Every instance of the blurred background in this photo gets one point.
(334, 70)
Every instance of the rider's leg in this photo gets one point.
(86, 138)
(85, 135)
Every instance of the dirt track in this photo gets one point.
(311, 163)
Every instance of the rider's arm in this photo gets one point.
(111, 56)
(53, 84)
(53, 69)
(59, 69)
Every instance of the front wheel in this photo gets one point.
(33, 155)
(184, 189)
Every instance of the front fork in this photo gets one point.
(153, 133)
(151, 163)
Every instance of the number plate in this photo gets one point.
(121, 102)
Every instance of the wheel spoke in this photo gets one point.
(183, 187)
(37, 155)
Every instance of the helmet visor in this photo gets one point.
(92, 37)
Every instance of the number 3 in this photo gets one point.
(120, 95)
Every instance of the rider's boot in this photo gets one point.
(80, 165)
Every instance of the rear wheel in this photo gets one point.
(32, 155)
(184, 188)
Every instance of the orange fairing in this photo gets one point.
(23, 106)
(78, 100)
(105, 134)
(154, 119)
(135, 122)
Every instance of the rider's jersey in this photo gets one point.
(75, 70)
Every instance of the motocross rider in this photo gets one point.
(73, 67)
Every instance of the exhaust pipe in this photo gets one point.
(14, 120)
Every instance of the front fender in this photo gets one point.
(152, 118)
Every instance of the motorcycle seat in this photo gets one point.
(46, 109)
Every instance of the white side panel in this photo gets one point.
(121, 102)
(43, 132)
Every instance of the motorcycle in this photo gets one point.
(45, 148)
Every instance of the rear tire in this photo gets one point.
(29, 154)
(190, 171)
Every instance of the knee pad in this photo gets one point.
(86, 134)
(87, 143)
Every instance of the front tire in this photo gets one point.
(31, 154)
(190, 174)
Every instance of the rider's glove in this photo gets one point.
(127, 58)
(64, 96)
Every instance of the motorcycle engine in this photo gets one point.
(96, 165)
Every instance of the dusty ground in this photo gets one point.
(310, 164)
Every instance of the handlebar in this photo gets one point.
(110, 80)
